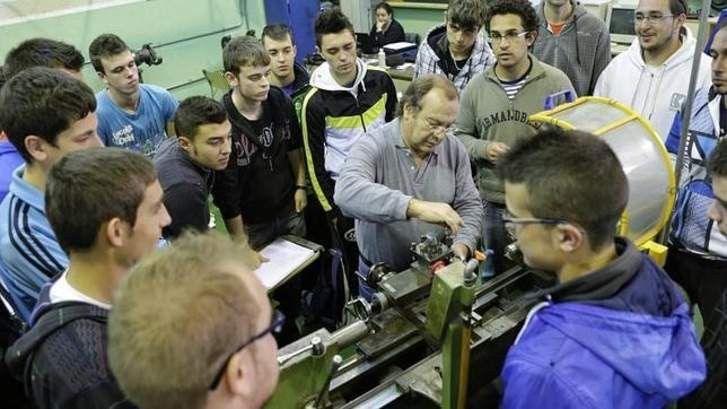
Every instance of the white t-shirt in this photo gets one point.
(63, 291)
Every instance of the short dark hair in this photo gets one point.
(244, 51)
(420, 87)
(42, 52)
(332, 21)
(386, 7)
(87, 188)
(678, 7)
(196, 111)
(521, 8)
(467, 14)
(105, 45)
(717, 164)
(278, 32)
(43, 102)
(570, 175)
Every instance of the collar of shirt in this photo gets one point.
(25, 191)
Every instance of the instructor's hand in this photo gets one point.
(435, 212)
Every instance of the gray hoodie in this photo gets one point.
(582, 50)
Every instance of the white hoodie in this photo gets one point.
(656, 92)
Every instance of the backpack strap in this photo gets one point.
(54, 318)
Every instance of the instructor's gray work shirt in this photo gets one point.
(379, 179)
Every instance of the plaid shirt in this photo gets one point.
(427, 61)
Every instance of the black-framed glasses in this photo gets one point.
(511, 222)
(276, 325)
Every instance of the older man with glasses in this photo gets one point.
(614, 331)
(496, 105)
(192, 328)
(410, 178)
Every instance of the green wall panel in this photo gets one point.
(186, 33)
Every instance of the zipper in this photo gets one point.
(360, 114)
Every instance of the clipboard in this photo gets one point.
(287, 256)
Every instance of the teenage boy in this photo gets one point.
(262, 191)
(263, 187)
(220, 322)
(495, 106)
(615, 330)
(119, 215)
(347, 99)
(36, 52)
(130, 115)
(45, 114)
(187, 163)
(284, 71)
(456, 49)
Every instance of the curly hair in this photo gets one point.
(522, 8)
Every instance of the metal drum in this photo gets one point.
(645, 161)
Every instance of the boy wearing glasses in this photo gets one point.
(615, 330)
(496, 104)
(456, 49)
(409, 178)
(652, 76)
(209, 344)
(117, 198)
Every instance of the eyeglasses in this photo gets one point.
(651, 18)
(511, 222)
(276, 325)
(496, 38)
(439, 128)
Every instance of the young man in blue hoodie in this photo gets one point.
(615, 330)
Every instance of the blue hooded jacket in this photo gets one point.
(635, 348)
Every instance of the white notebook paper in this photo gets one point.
(285, 259)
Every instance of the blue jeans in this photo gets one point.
(494, 235)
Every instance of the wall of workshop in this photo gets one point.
(416, 19)
(185, 33)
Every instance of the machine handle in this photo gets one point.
(335, 364)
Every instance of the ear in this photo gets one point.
(408, 111)
(295, 51)
(37, 147)
(682, 19)
(568, 238)
(530, 38)
(102, 77)
(237, 374)
(318, 50)
(185, 143)
(116, 232)
(231, 79)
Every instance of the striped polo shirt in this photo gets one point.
(29, 250)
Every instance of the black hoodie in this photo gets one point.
(259, 182)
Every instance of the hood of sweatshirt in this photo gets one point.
(323, 79)
(682, 56)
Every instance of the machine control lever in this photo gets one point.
(335, 364)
